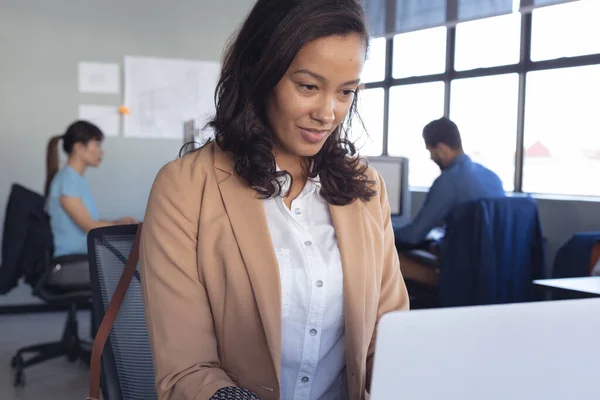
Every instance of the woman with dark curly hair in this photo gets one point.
(268, 255)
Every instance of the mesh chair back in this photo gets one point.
(127, 366)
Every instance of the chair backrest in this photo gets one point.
(27, 241)
(491, 253)
(127, 365)
(576, 256)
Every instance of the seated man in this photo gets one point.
(461, 181)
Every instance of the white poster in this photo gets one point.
(104, 117)
(99, 78)
(162, 94)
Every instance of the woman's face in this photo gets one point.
(315, 94)
(91, 153)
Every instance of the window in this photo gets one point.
(374, 69)
(370, 110)
(411, 108)
(561, 139)
(488, 42)
(565, 30)
(485, 110)
(562, 136)
(410, 59)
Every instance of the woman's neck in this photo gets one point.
(78, 165)
(291, 163)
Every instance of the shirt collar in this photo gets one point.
(459, 159)
(312, 185)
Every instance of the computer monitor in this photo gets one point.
(190, 139)
(394, 171)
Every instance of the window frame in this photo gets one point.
(522, 68)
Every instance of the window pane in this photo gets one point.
(410, 59)
(485, 110)
(411, 108)
(370, 109)
(374, 69)
(488, 42)
(565, 30)
(562, 137)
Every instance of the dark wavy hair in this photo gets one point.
(256, 59)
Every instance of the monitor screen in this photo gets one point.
(394, 171)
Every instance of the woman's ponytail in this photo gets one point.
(52, 157)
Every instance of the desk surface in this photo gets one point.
(586, 284)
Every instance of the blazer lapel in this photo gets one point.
(349, 228)
(249, 222)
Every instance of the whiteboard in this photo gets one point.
(161, 94)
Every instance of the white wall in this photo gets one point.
(41, 42)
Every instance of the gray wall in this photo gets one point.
(41, 42)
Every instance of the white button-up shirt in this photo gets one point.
(313, 353)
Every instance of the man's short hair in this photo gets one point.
(444, 131)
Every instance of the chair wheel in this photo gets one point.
(19, 378)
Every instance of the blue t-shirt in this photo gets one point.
(68, 237)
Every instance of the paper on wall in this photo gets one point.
(104, 117)
(162, 94)
(98, 78)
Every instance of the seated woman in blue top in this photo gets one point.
(70, 203)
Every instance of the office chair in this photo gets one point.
(27, 251)
(577, 256)
(492, 252)
(127, 365)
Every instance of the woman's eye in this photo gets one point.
(308, 88)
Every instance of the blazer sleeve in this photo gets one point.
(178, 314)
(393, 295)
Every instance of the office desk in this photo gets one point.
(420, 273)
(587, 286)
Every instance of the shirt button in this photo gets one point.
(319, 283)
(305, 379)
(308, 243)
(297, 211)
(313, 332)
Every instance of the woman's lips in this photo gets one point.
(313, 135)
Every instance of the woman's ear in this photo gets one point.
(78, 147)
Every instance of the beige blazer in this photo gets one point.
(211, 281)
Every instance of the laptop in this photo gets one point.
(544, 350)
